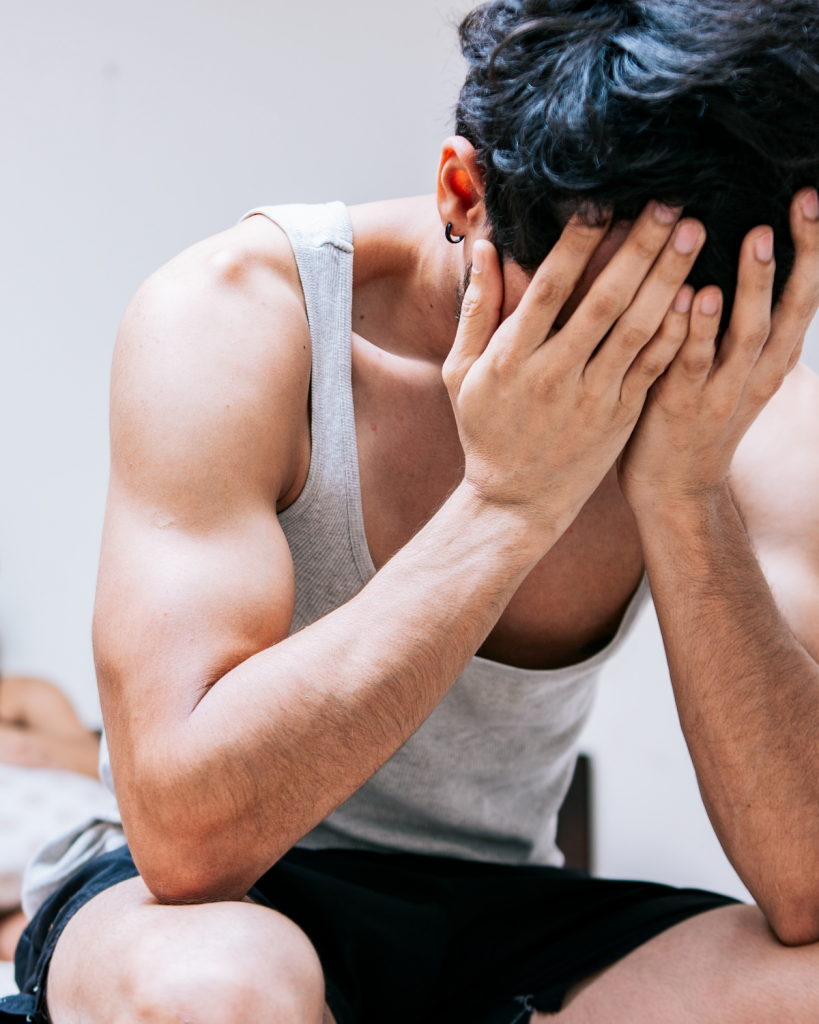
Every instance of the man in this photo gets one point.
(308, 539)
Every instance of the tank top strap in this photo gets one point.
(329, 506)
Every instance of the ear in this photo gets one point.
(460, 186)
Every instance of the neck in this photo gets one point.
(405, 278)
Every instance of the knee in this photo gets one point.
(270, 977)
(764, 980)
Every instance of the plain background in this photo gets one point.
(129, 131)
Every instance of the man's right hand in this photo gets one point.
(544, 413)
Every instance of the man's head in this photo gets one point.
(712, 105)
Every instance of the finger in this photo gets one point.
(479, 315)
(695, 360)
(799, 301)
(751, 316)
(655, 358)
(553, 283)
(644, 317)
(618, 282)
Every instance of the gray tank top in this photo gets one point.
(485, 775)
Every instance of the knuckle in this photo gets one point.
(548, 385)
(806, 305)
(634, 331)
(696, 365)
(581, 239)
(605, 305)
(653, 365)
(757, 337)
(645, 250)
(794, 358)
(504, 361)
(549, 290)
(724, 408)
(764, 390)
(470, 305)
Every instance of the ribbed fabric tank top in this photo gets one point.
(485, 775)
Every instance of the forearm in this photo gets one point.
(281, 740)
(748, 698)
(224, 757)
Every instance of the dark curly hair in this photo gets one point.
(591, 104)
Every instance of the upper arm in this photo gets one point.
(208, 433)
(775, 477)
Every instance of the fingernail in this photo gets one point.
(810, 205)
(682, 303)
(685, 241)
(666, 214)
(710, 303)
(477, 259)
(764, 247)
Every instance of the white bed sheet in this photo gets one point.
(36, 805)
(7, 986)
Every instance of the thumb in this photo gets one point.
(479, 315)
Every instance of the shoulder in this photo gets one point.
(237, 284)
(213, 359)
(775, 473)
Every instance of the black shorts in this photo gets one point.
(409, 938)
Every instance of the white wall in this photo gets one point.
(129, 130)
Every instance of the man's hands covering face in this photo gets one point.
(543, 416)
(698, 411)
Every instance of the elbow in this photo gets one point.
(191, 843)
(795, 920)
(190, 858)
(196, 870)
(174, 887)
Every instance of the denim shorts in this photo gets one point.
(409, 938)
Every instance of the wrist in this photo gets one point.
(528, 531)
(680, 510)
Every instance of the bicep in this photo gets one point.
(176, 611)
(178, 608)
(208, 410)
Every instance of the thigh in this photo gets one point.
(724, 966)
(124, 958)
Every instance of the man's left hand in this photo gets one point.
(696, 413)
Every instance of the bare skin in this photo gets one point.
(12, 926)
(40, 729)
(495, 509)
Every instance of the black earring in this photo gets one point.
(449, 238)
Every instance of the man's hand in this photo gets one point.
(747, 689)
(543, 414)
(698, 411)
